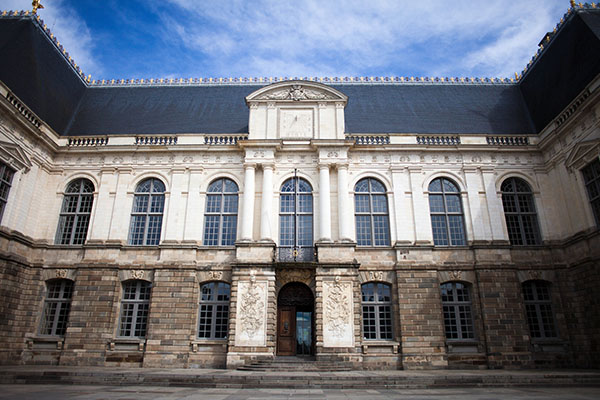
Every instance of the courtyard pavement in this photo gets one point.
(86, 392)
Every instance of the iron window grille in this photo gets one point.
(377, 311)
(6, 176)
(221, 213)
(75, 212)
(591, 177)
(214, 310)
(538, 306)
(296, 221)
(147, 213)
(56, 307)
(457, 310)
(371, 213)
(135, 306)
(520, 213)
(447, 218)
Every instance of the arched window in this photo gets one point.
(214, 310)
(458, 317)
(56, 307)
(6, 176)
(377, 311)
(591, 177)
(296, 220)
(447, 220)
(371, 213)
(146, 217)
(75, 212)
(220, 219)
(519, 211)
(134, 309)
(538, 305)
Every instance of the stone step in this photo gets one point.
(295, 379)
(294, 364)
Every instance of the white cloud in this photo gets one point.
(273, 37)
(69, 28)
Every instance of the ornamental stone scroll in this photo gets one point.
(59, 273)
(214, 275)
(251, 314)
(338, 314)
(136, 274)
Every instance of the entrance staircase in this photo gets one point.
(300, 364)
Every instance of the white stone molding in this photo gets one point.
(345, 213)
(338, 314)
(248, 202)
(251, 313)
(266, 211)
(13, 155)
(324, 204)
(295, 91)
(62, 185)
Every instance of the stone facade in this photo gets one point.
(296, 130)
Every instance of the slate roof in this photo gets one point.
(43, 78)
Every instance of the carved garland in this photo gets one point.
(296, 93)
(251, 306)
(337, 308)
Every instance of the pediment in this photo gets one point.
(297, 91)
(13, 155)
(583, 153)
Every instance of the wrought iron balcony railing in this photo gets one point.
(296, 254)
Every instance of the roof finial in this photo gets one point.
(573, 3)
(36, 5)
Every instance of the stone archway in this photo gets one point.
(295, 320)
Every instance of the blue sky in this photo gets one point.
(123, 39)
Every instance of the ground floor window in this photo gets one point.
(377, 311)
(538, 305)
(134, 309)
(56, 307)
(214, 310)
(458, 316)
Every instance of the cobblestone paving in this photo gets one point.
(67, 392)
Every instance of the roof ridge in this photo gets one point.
(88, 81)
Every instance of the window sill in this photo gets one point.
(127, 344)
(462, 346)
(41, 342)
(375, 346)
(548, 345)
(198, 344)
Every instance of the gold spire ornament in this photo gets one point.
(36, 5)
(573, 3)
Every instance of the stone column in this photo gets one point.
(248, 205)
(344, 207)
(324, 204)
(267, 199)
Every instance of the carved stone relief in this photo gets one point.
(296, 93)
(251, 314)
(338, 314)
(285, 276)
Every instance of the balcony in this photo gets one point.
(296, 254)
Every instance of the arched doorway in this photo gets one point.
(295, 320)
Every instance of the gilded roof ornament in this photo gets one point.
(36, 5)
(572, 3)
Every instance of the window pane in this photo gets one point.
(140, 203)
(229, 230)
(363, 230)
(361, 203)
(456, 228)
(211, 230)
(230, 204)
(435, 185)
(379, 204)
(436, 203)
(381, 230)
(453, 204)
(440, 230)
(213, 203)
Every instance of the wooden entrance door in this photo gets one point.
(286, 331)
